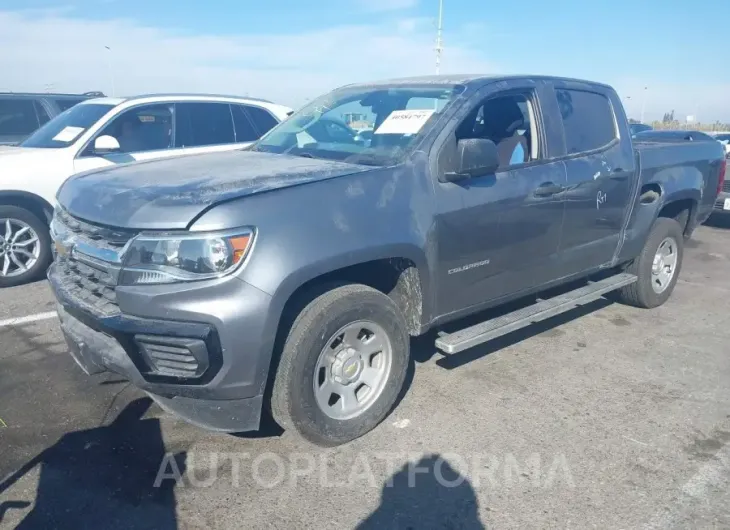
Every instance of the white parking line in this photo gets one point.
(29, 318)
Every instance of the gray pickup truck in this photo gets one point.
(290, 276)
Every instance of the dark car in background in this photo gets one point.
(22, 113)
(635, 128)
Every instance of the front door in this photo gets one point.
(600, 174)
(143, 133)
(499, 234)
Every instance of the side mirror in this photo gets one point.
(106, 144)
(474, 157)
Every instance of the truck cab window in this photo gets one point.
(509, 122)
(588, 120)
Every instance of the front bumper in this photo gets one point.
(226, 319)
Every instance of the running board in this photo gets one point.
(479, 333)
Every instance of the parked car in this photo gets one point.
(21, 114)
(292, 277)
(639, 127)
(724, 139)
(105, 132)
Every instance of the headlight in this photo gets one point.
(174, 258)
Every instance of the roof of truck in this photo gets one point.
(465, 79)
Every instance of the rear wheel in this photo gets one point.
(25, 246)
(342, 366)
(657, 267)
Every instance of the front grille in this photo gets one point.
(726, 186)
(95, 235)
(91, 287)
(88, 279)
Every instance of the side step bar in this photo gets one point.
(479, 333)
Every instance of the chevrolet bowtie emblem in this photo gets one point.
(61, 249)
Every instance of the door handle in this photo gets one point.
(616, 174)
(548, 189)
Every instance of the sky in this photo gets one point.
(290, 51)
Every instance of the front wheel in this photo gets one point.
(342, 366)
(657, 267)
(25, 246)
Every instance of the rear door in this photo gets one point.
(499, 234)
(600, 169)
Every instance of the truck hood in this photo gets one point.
(171, 193)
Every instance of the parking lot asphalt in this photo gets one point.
(607, 417)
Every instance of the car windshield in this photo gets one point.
(724, 138)
(332, 126)
(65, 128)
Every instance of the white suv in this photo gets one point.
(103, 132)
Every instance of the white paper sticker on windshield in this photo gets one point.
(68, 134)
(404, 121)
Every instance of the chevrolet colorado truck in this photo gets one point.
(290, 275)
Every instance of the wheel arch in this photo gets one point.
(36, 204)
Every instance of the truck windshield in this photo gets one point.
(372, 126)
(65, 128)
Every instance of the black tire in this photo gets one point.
(640, 293)
(293, 403)
(38, 270)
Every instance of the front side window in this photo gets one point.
(508, 121)
(140, 129)
(326, 127)
(244, 128)
(64, 129)
(200, 124)
(262, 119)
(588, 120)
(17, 117)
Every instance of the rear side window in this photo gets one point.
(588, 120)
(262, 119)
(41, 113)
(199, 124)
(17, 117)
(245, 131)
(67, 103)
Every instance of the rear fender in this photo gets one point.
(675, 184)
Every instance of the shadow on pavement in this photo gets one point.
(428, 494)
(718, 221)
(102, 478)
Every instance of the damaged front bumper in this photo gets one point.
(190, 368)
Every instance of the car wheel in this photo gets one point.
(25, 246)
(342, 365)
(657, 267)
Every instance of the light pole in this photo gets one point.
(439, 41)
(109, 66)
(643, 104)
